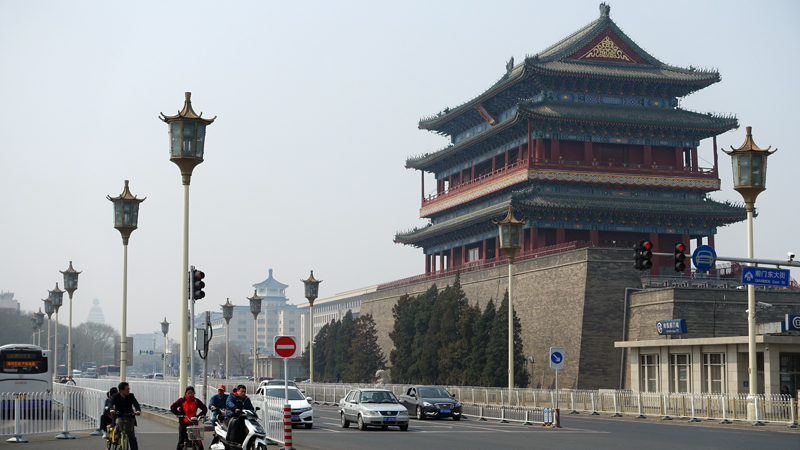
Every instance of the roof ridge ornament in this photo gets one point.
(605, 9)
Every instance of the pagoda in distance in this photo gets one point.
(587, 141)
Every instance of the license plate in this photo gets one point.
(295, 417)
(446, 411)
(390, 419)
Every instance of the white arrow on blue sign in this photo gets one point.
(556, 358)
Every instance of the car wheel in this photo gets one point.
(345, 422)
(404, 427)
(309, 425)
(420, 414)
(361, 425)
(456, 417)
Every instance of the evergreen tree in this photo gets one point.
(428, 358)
(344, 341)
(496, 369)
(480, 338)
(402, 335)
(320, 344)
(364, 355)
(455, 319)
(420, 369)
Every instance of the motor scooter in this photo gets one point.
(254, 437)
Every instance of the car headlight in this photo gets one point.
(426, 404)
(302, 410)
(458, 404)
(368, 412)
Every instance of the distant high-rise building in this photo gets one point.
(96, 313)
(7, 301)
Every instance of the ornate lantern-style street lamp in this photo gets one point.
(187, 138)
(165, 331)
(70, 285)
(750, 179)
(126, 219)
(255, 308)
(312, 292)
(48, 309)
(57, 297)
(39, 322)
(510, 234)
(227, 314)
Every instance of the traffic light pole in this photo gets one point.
(771, 262)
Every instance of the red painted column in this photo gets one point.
(679, 158)
(534, 238)
(530, 143)
(483, 250)
(716, 173)
(560, 235)
(695, 164)
(520, 155)
(594, 236)
(539, 149)
(449, 183)
(472, 174)
(427, 264)
(497, 247)
(588, 153)
(422, 176)
(522, 240)
(648, 156)
(460, 177)
(450, 259)
(505, 162)
(555, 150)
(711, 240)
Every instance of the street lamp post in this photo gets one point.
(48, 309)
(126, 219)
(187, 132)
(70, 285)
(57, 297)
(39, 322)
(165, 330)
(750, 179)
(312, 292)
(227, 314)
(510, 231)
(255, 308)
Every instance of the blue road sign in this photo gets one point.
(704, 258)
(793, 322)
(151, 353)
(556, 358)
(677, 326)
(765, 277)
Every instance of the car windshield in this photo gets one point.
(294, 394)
(434, 392)
(279, 383)
(377, 397)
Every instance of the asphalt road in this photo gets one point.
(578, 432)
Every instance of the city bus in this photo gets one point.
(108, 371)
(26, 372)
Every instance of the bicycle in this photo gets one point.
(110, 444)
(194, 433)
(122, 443)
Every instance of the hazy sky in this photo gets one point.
(317, 105)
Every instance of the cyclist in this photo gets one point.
(126, 407)
(106, 419)
(217, 404)
(188, 406)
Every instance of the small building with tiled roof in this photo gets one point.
(588, 142)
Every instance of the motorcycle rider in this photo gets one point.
(217, 404)
(233, 408)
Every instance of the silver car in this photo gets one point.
(372, 408)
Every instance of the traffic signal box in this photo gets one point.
(643, 255)
(679, 256)
(198, 284)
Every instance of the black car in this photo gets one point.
(430, 402)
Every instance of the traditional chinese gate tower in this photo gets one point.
(586, 140)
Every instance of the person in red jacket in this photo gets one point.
(187, 406)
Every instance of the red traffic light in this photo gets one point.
(680, 248)
(198, 275)
(647, 245)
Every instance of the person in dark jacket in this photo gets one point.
(107, 419)
(236, 403)
(217, 404)
(188, 406)
(123, 403)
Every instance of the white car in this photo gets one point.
(302, 411)
(372, 407)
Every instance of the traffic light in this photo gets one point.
(197, 284)
(643, 254)
(680, 256)
(162, 356)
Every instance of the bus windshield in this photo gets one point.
(108, 371)
(23, 362)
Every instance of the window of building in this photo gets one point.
(714, 372)
(291, 329)
(241, 338)
(291, 321)
(241, 322)
(648, 371)
(790, 371)
(474, 254)
(261, 329)
(260, 321)
(270, 330)
(680, 373)
(240, 330)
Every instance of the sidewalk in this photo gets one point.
(711, 423)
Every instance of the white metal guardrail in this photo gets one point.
(65, 409)
(723, 407)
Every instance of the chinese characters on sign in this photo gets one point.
(765, 277)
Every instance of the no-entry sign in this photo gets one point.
(285, 346)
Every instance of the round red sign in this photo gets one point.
(285, 346)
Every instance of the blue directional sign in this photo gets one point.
(677, 326)
(765, 277)
(556, 358)
(151, 353)
(704, 258)
(793, 322)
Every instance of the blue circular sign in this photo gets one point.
(151, 352)
(704, 258)
(557, 358)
